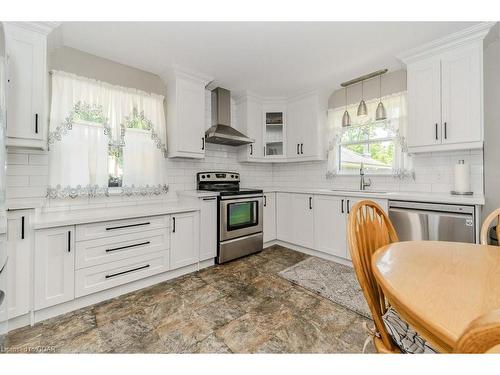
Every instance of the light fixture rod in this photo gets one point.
(364, 78)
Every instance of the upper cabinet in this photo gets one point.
(288, 129)
(26, 45)
(445, 92)
(186, 114)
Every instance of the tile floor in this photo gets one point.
(239, 307)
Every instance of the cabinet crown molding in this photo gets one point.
(182, 72)
(44, 28)
(471, 34)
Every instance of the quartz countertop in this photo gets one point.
(92, 215)
(476, 199)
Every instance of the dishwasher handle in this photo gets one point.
(433, 207)
(427, 212)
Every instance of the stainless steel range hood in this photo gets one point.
(221, 131)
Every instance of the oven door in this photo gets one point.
(240, 216)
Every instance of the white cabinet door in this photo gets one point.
(461, 95)
(424, 101)
(3, 285)
(249, 116)
(295, 125)
(19, 281)
(190, 117)
(26, 56)
(184, 239)
(302, 220)
(54, 265)
(284, 231)
(330, 225)
(269, 217)
(208, 228)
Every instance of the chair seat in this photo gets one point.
(404, 336)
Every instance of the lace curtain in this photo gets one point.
(396, 109)
(97, 129)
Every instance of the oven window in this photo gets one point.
(241, 215)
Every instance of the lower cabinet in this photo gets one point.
(18, 269)
(295, 218)
(208, 228)
(184, 239)
(330, 225)
(54, 266)
(269, 217)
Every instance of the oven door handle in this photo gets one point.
(231, 197)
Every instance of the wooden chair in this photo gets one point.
(369, 228)
(481, 335)
(486, 226)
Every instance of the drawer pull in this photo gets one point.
(128, 246)
(209, 199)
(128, 226)
(124, 272)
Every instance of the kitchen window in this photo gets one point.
(379, 145)
(104, 139)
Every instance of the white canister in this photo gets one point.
(462, 177)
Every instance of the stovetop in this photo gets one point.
(226, 183)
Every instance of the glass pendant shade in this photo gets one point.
(346, 119)
(362, 111)
(380, 112)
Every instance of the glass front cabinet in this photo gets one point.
(274, 132)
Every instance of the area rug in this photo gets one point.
(331, 280)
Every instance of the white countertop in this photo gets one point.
(476, 199)
(24, 203)
(197, 193)
(82, 216)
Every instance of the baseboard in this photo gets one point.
(63, 308)
(312, 252)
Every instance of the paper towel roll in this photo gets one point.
(462, 177)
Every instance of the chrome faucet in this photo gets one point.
(362, 184)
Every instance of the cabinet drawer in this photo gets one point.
(110, 249)
(94, 279)
(120, 227)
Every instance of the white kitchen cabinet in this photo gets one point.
(26, 85)
(184, 239)
(295, 218)
(445, 93)
(19, 245)
(208, 228)
(269, 217)
(185, 114)
(330, 225)
(54, 266)
(274, 130)
(249, 117)
(306, 119)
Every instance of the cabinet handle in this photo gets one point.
(445, 131)
(128, 226)
(298, 152)
(173, 225)
(342, 206)
(251, 149)
(124, 272)
(69, 241)
(436, 129)
(310, 203)
(264, 150)
(127, 247)
(22, 228)
(202, 143)
(209, 199)
(265, 201)
(36, 123)
(348, 206)
(302, 148)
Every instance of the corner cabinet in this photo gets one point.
(186, 114)
(445, 94)
(54, 266)
(26, 47)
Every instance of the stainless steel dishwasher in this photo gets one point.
(432, 221)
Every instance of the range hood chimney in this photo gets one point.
(221, 131)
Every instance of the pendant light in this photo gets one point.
(362, 111)
(380, 113)
(346, 119)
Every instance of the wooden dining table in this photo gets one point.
(439, 287)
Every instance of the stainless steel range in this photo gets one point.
(239, 215)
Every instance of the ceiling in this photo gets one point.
(272, 59)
